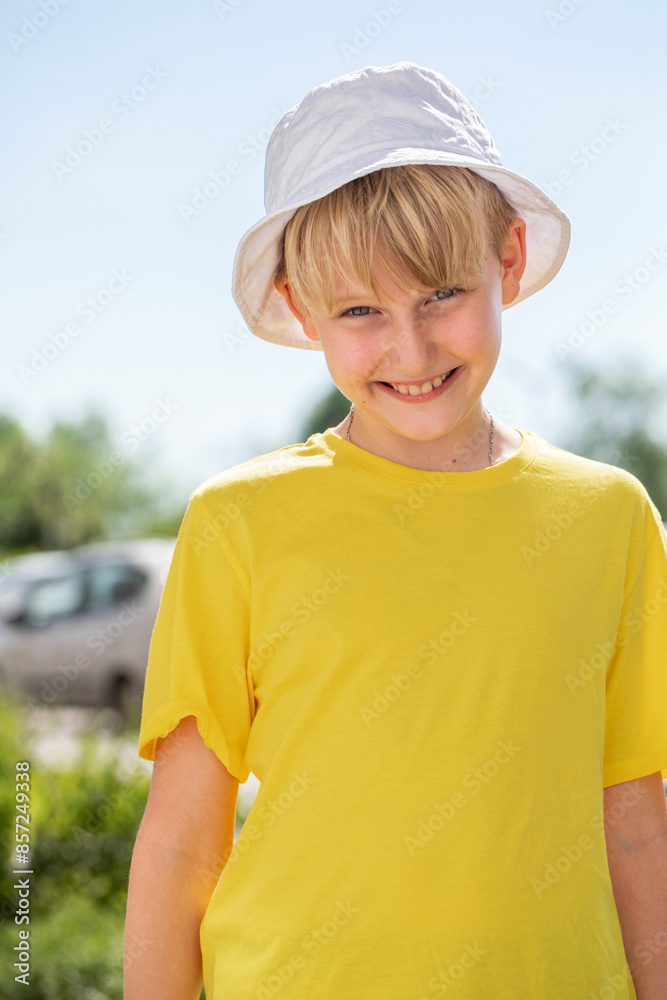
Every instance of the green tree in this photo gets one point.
(19, 520)
(74, 487)
(327, 413)
(619, 418)
(84, 494)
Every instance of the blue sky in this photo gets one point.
(135, 300)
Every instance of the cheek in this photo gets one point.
(477, 335)
(350, 358)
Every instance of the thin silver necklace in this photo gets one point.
(349, 424)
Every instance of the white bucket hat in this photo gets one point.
(380, 116)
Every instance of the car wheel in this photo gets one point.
(126, 699)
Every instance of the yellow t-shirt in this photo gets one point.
(433, 676)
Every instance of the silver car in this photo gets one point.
(75, 626)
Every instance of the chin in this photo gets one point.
(425, 434)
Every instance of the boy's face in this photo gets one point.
(416, 363)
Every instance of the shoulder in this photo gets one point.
(590, 473)
(596, 484)
(283, 469)
(254, 503)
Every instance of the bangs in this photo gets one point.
(423, 224)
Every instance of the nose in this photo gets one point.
(410, 348)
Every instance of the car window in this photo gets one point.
(12, 597)
(53, 599)
(112, 583)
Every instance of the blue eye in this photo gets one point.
(440, 294)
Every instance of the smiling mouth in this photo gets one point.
(420, 389)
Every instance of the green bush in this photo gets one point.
(77, 951)
(10, 753)
(84, 821)
(84, 818)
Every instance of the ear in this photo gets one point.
(303, 318)
(513, 261)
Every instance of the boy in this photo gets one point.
(438, 641)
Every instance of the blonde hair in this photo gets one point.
(425, 224)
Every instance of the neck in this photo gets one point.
(472, 445)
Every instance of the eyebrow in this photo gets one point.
(354, 301)
(348, 294)
(363, 296)
(343, 302)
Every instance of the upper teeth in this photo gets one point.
(419, 390)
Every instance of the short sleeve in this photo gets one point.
(636, 683)
(199, 646)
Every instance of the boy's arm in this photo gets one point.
(635, 814)
(185, 837)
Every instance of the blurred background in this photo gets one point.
(134, 139)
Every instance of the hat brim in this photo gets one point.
(267, 314)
